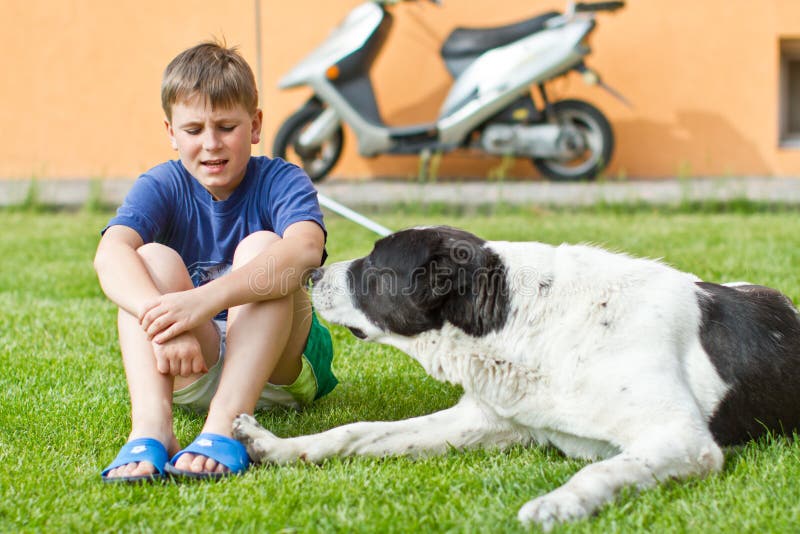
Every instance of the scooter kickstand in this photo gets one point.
(500, 172)
(428, 165)
(424, 161)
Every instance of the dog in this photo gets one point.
(607, 357)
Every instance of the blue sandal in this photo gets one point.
(138, 450)
(222, 449)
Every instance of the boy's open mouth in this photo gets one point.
(214, 164)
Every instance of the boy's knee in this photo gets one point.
(154, 252)
(253, 245)
(165, 266)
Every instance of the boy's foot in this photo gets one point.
(140, 459)
(209, 456)
(133, 469)
(197, 463)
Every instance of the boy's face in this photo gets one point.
(213, 144)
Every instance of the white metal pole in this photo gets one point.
(259, 65)
(351, 215)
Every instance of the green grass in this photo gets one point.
(64, 407)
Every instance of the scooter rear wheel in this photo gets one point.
(599, 143)
(317, 162)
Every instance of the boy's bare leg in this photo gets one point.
(265, 341)
(150, 390)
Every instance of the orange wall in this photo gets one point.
(81, 80)
(84, 97)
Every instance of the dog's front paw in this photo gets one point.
(257, 440)
(556, 507)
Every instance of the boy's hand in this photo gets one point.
(181, 355)
(173, 314)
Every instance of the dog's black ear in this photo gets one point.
(466, 283)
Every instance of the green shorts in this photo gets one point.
(315, 380)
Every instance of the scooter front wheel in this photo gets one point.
(317, 161)
(587, 158)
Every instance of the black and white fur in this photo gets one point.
(605, 356)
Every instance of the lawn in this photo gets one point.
(64, 407)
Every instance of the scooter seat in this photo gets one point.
(468, 42)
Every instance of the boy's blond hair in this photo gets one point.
(214, 71)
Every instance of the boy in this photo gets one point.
(206, 259)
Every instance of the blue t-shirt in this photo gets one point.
(167, 205)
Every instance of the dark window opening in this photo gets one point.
(790, 93)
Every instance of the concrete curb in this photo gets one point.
(669, 191)
(77, 192)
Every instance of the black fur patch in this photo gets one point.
(417, 279)
(752, 335)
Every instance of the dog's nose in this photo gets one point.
(315, 276)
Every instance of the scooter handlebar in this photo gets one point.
(598, 6)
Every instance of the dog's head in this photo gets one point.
(412, 282)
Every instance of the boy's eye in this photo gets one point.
(192, 131)
(227, 128)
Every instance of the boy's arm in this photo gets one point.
(121, 271)
(275, 273)
(127, 282)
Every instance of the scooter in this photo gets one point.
(489, 108)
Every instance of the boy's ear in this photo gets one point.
(171, 135)
(255, 127)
